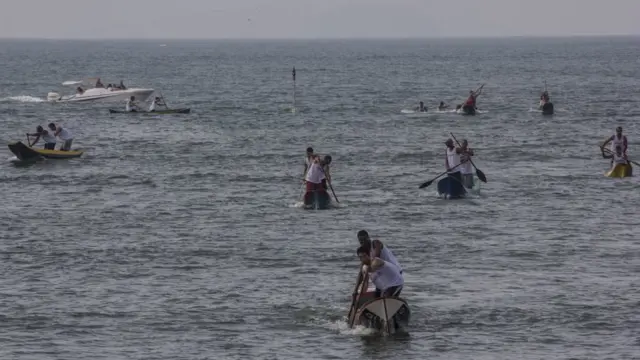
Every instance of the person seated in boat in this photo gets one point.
(617, 140)
(121, 86)
(466, 170)
(79, 90)
(307, 161)
(442, 106)
(378, 249)
(132, 105)
(99, 84)
(48, 138)
(64, 135)
(315, 175)
(384, 275)
(156, 102)
(421, 107)
(326, 162)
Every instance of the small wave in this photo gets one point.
(24, 98)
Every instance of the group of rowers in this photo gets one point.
(49, 137)
(132, 104)
(384, 270)
(618, 150)
(471, 102)
(458, 164)
(316, 171)
(99, 84)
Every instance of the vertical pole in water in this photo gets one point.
(293, 110)
(386, 315)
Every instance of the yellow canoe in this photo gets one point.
(620, 171)
(24, 152)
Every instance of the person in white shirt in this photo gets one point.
(156, 102)
(132, 105)
(64, 135)
(48, 137)
(466, 170)
(307, 161)
(454, 189)
(384, 274)
(378, 249)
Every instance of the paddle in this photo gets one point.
(333, 192)
(479, 173)
(612, 153)
(164, 101)
(293, 110)
(364, 282)
(424, 185)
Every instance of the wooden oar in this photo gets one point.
(612, 153)
(362, 286)
(333, 192)
(164, 101)
(479, 173)
(424, 185)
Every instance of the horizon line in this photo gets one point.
(452, 37)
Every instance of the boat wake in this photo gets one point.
(24, 98)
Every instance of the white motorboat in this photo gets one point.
(101, 94)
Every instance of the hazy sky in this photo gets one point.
(166, 19)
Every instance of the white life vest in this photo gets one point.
(387, 255)
(48, 137)
(618, 159)
(315, 174)
(465, 168)
(64, 134)
(387, 276)
(454, 159)
(617, 142)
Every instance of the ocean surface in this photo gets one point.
(182, 236)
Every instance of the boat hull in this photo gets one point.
(26, 153)
(317, 200)
(385, 314)
(620, 171)
(451, 187)
(160, 112)
(103, 95)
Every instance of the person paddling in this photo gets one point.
(378, 249)
(385, 275)
(48, 138)
(617, 140)
(452, 163)
(325, 163)
(132, 105)
(156, 102)
(466, 170)
(307, 161)
(442, 106)
(421, 107)
(64, 135)
(617, 157)
(473, 96)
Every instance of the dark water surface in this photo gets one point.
(181, 237)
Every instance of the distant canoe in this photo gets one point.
(167, 111)
(26, 153)
(547, 108)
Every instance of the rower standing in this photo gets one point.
(132, 105)
(377, 248)
(315, 175)
(307, 161)
(385, 275)
(64, 135)
(156, 102)
(48, 138)
(473, 96)
(452, 161)
(466, 170)
(617, 140)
